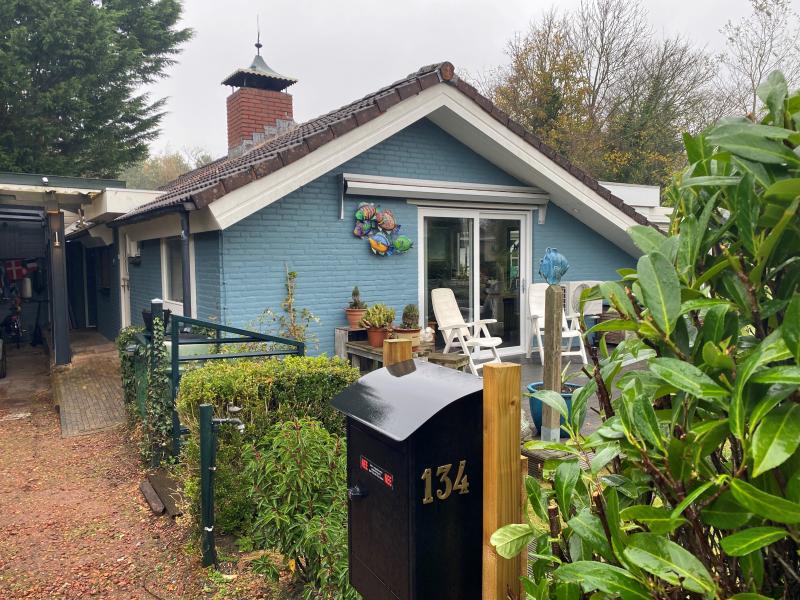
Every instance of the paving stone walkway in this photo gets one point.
(88, 392)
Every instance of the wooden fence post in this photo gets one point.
(553, 307)
(523, 472)
(395, 351)
(501, 474)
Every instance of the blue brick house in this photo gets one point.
(480, 197)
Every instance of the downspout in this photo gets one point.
(185, 266)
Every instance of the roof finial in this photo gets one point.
(258, 36)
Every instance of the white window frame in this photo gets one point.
(526, 258)
(177, 307)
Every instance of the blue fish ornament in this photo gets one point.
(553, 266)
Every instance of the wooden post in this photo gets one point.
(501, 474)
(553, 307)
(523, 471)
(395, 351)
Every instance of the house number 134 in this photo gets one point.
(446, 485)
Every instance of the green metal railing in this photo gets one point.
(209, 426)
(223, 335)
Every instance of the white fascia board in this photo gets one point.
(466, 121)
(113, 202)
(169, 225)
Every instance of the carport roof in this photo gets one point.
(56, 181)
(35, 189)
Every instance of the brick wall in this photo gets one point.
(145, 279)
(303, 232)
(251, 109)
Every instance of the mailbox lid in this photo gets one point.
(398, 400)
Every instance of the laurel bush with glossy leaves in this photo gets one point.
(693, 482)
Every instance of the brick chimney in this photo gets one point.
(259, 108)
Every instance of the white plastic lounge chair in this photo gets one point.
(469, 337)
(536, 293)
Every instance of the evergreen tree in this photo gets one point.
(71, 78)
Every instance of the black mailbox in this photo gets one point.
(415, 479)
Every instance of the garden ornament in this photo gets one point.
(553, 266)
(381, 229)
(379, 243)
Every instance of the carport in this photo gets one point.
(55, 249)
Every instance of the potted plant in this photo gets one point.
(409, 325)
(378, 322)
(356, 309)
(567, 389)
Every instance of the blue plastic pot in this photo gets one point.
(536, 405)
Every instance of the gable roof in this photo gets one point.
(204, 185)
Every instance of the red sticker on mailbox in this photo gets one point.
(377, 472)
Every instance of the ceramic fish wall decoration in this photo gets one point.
(381, 229)
(553, 266)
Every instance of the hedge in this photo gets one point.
(268, 392)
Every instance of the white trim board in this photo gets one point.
(465, 120)
(173, 305)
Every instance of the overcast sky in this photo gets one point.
(341, 50)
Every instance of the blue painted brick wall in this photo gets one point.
(207, 275)
(303, 231)
(145, 279)
(590, 255)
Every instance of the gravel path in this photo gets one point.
(74, 524)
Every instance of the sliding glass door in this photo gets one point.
(450, 256)
(483, 257)
(499, 268)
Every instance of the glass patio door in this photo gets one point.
(483, 257)
(449, 260)
(499, 263)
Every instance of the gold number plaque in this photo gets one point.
(426, 477)
(446, 485)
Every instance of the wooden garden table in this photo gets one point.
(361, 354)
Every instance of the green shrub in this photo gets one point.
(299, 491)
(268, 391)
(693, 488)
(127, 371)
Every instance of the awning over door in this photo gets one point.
(429, 189)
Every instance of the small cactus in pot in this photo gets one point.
(409, 326)
(377, 320)
(355, 309)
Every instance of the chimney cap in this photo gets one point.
(259, 75)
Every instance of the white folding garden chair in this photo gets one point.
(536, 292)
(457, 332)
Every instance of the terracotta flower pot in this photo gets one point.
(354, 316)
(408, 334)
(377, 336)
